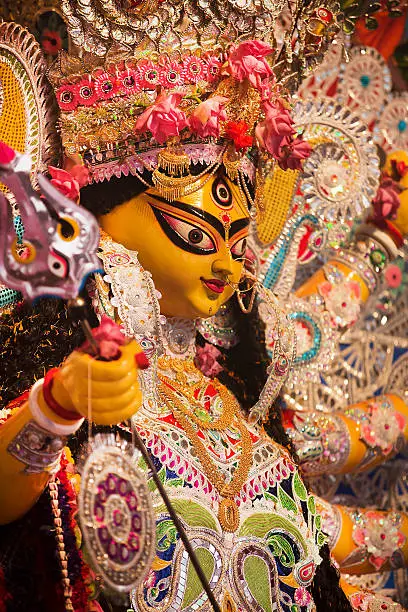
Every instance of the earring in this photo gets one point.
(246, 309)
(250, 279)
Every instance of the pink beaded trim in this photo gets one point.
(122, 81)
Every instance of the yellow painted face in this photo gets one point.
(193, 247)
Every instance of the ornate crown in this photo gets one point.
(158, 85)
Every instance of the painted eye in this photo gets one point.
(67, 229)
(58, 264)
(185, 235)
(195, 236)
(221, 194)
(239, 248)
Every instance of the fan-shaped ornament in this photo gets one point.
(341, 176)
(117, 518)
(365, 81)
(27, 114)
(391, 131)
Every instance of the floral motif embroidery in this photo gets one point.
(379, 534)
(381, 425)
(363, 601)
(342, 301)
(322, 441)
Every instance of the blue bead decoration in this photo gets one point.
(402, 125)
(365, 80)
(19, 228)
(316, 336)
(9, 297)
(275, 268)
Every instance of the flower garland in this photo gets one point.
(79, 573)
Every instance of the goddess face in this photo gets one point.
(193, 246)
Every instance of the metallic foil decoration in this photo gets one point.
(58, 250)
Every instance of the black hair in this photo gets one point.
(34, 338)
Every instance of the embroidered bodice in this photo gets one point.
(269, 561)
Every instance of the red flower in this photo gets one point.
(386, 202)
(237, 131)
(51, 42)
(86, 92)
(67, 97)
(393, 276)
(106, 86)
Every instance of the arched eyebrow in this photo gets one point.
(236, 226)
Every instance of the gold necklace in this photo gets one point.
(229, 404)
(228, 513)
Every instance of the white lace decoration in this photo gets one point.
(134, 294)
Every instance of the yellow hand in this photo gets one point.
(111, 389)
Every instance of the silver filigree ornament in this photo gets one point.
(364, 83)
(341, 176)
(391, 131)
(116, 514)
(58, 250)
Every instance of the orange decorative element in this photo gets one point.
(312, 285)
(386, 37)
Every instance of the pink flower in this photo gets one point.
(247, 61)
(205, 119)
(80, 174)
(360, 601)
(293, 154)
(206, 360)
(171, 75)
(105, 86)
(383, 428)
(194, 69)
(109, 337)
(214, 67)
(393, 276)
(163, 119)
(277, 126)
(64, 182)
(302, 596)
(386, 201)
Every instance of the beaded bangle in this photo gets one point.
(43, 420)
(380, 236)
(392, 230)
(52, 403)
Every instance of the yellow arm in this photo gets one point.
(31, 441)
(366, 434)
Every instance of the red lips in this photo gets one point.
(214, 284)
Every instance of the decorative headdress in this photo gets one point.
(159, 85)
